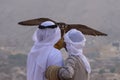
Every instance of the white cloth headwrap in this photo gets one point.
(44, 39)
(75, 41)
(47, 36)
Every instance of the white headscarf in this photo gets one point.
(75, 41)
(46, 36)
(44, 41)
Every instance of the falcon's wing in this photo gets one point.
(34, 22)
(85, 30)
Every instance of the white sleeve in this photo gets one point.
(55, 58)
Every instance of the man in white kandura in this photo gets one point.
(43, 53)
(76, 65)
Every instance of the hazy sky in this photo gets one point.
(103, 15)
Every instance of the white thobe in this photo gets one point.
(35, 69)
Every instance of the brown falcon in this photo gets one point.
(64, 28)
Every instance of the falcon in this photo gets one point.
(64, 28)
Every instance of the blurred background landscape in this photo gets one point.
(103, 52)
